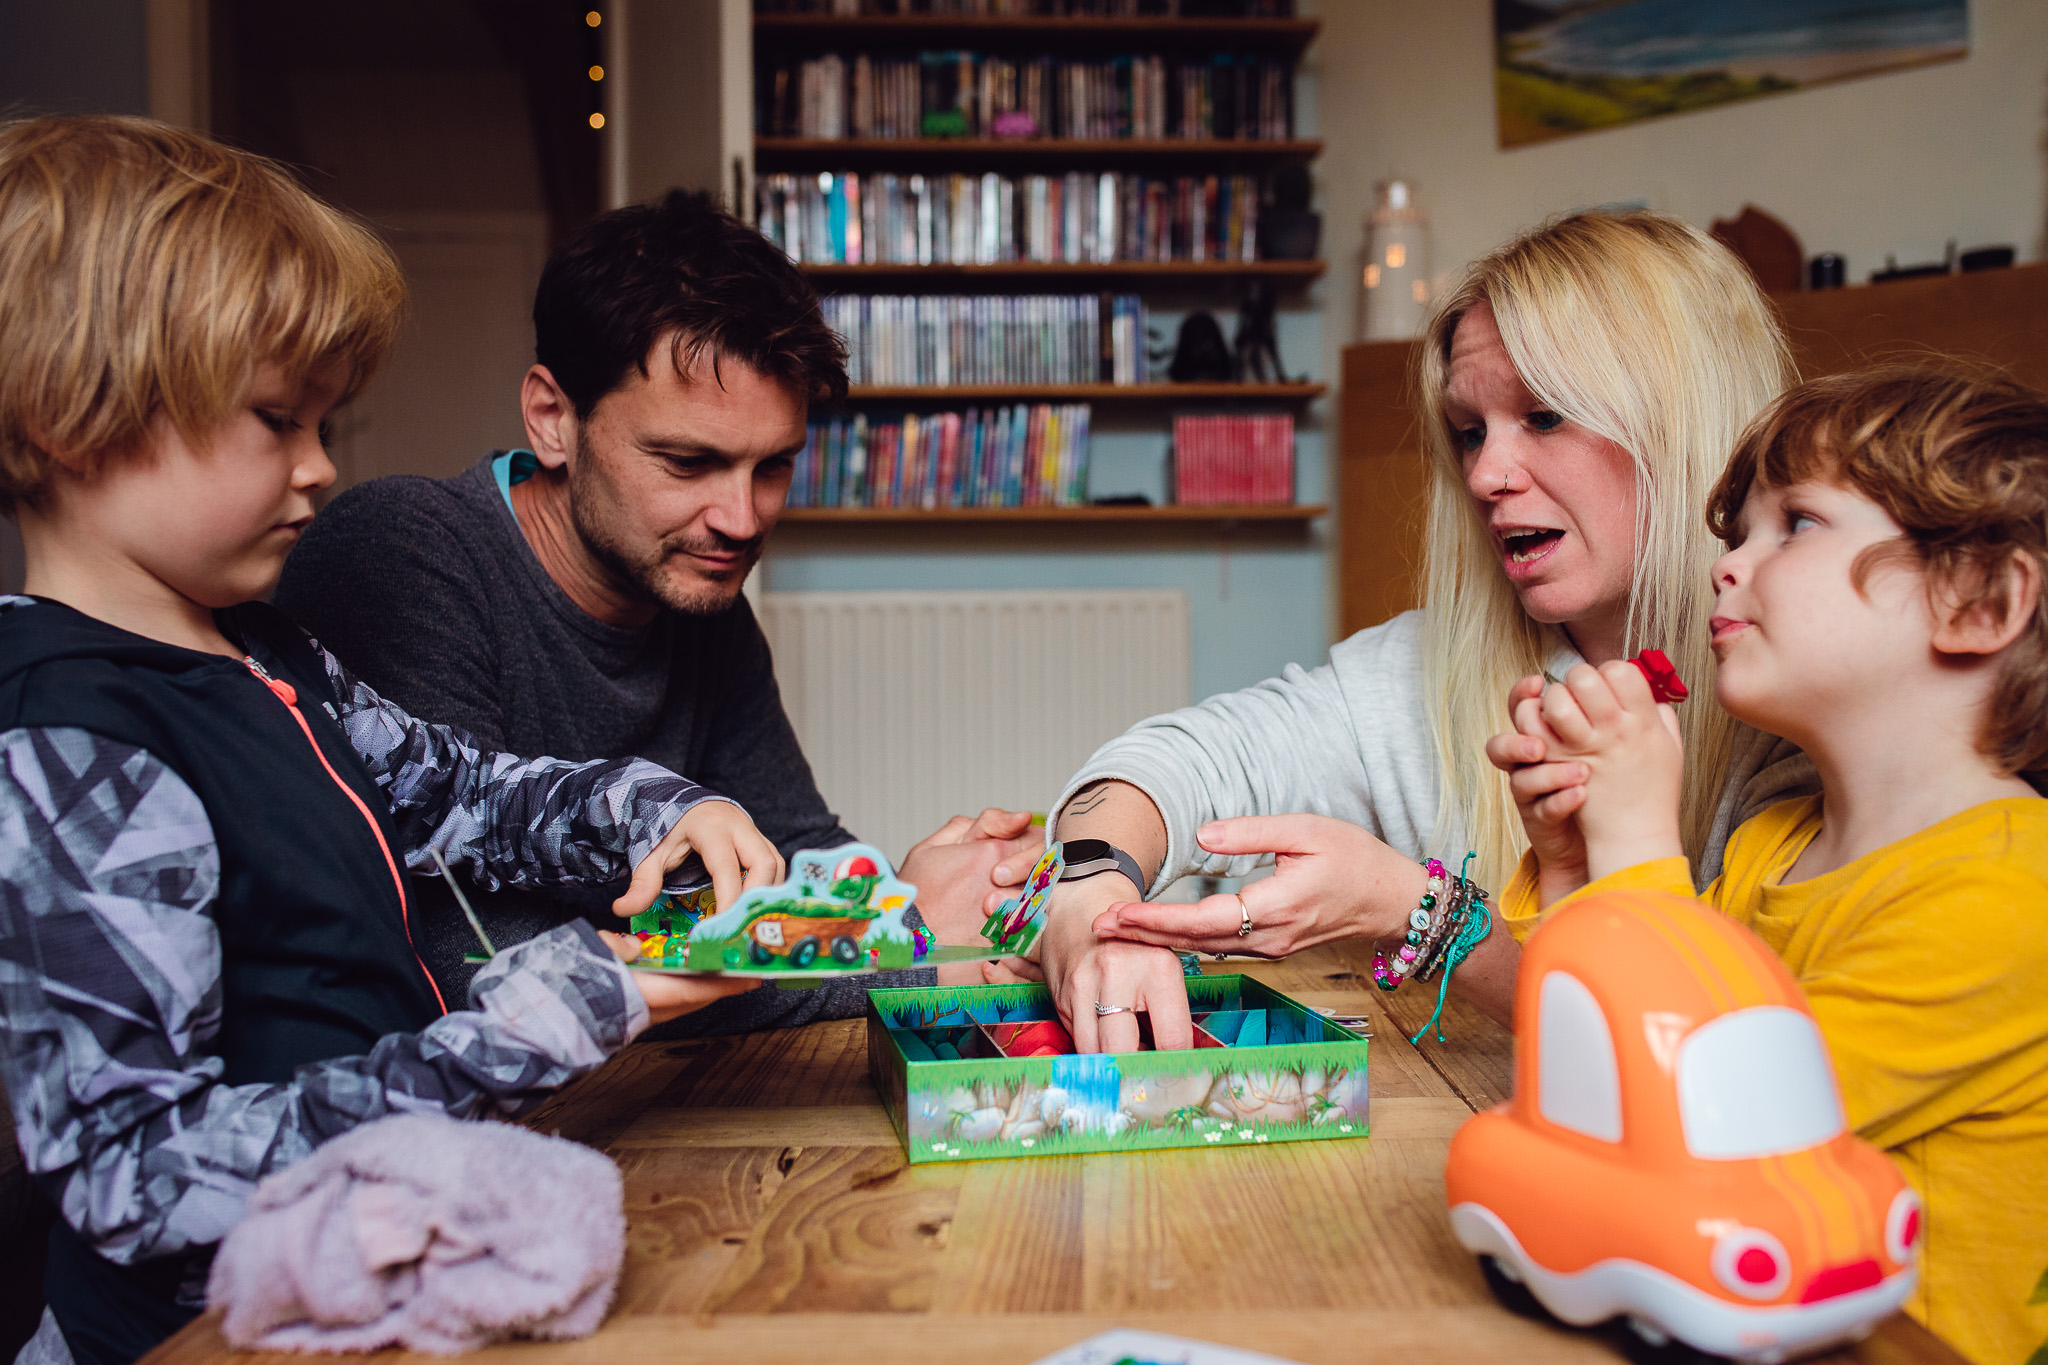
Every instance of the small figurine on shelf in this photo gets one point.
(1199, 355)
(1255, 352)
(1675, 1152)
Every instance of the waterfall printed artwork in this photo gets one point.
(988, 1071)
(1571, 66)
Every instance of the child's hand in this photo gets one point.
(1547, 794)
(668, 996)
(1607, 719)
(736, 854)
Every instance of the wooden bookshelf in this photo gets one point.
(1220, 512)
(859, 153)
(1086, 274)
(1080, 393)
(1285, 36)
(784, 40)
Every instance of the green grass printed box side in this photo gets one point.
(1308, 1081)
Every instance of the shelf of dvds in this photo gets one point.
(842, 153)
(1080, 393)
(1081, 273)
(903, 157)
(1175, 512)
(1049, 32)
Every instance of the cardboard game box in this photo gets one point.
(988, 1071)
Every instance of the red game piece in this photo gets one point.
(1665, 684)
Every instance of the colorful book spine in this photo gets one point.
(1016, 455)
(881, 218)
(1232, 458)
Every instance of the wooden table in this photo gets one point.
(773, 1219)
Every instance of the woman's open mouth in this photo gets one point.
(1526, 545)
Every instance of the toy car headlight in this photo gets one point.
(1752, 1263)
(1903, 1225)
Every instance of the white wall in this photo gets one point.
(1895, 163)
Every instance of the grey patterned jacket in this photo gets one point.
(110, 965)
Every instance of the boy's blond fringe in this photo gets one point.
(1644, 330)
(145, 269)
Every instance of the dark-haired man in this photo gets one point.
(582, 598)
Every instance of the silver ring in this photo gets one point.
(1102, 1009)
(1243, 930)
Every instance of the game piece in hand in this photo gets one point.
(1665, 684)
(1016, 924)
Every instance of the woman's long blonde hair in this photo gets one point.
(1640, 328)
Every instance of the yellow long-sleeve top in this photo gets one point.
(1926, 962)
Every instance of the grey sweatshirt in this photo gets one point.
(1351, 740)
(428, 591)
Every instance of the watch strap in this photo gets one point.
(1087, 857)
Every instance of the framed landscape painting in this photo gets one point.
(1571, 66)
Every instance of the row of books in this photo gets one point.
(1022, 455)
(1233, 459)
(1054, 9)
(1100, 217)
(940, 339)
(968, 94)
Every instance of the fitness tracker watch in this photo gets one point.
(1086, 857)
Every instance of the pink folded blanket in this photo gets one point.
(428, 1233)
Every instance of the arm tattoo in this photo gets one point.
(1089, 798)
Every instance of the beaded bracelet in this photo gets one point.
(1388, 973)
(1471, 902)
(1429, 955)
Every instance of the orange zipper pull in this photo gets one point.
(286, 693)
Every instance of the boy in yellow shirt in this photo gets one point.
(1881, 606)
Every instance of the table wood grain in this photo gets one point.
(772, 1218)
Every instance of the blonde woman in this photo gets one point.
(1580, 392)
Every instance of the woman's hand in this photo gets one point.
(736, 854)
(1607, 719)
(1547, 793)
(1331, 880)
(1083, 970)
(670, 997)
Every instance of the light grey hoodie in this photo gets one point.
(1351, 739)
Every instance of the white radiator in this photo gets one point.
(916, 706)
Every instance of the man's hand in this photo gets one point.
(1084, 970)
(669, 997)
(952, 870)
(1607, 719)
(1547, 793)
(736, 854)
(1331, 880)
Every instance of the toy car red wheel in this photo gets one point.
(1904, 1224)
(1752, 1263)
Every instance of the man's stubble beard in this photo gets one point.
(592, 501)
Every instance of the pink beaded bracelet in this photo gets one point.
(1388, 972)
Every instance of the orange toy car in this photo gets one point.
(1675, 1150)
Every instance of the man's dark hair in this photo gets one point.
(683, 268)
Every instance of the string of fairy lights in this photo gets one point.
(593, 19)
